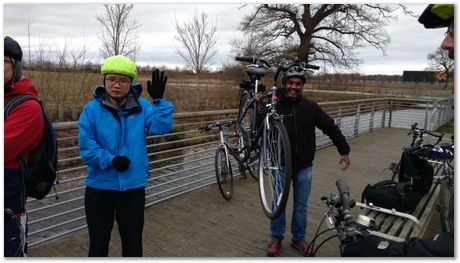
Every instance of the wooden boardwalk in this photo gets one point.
(203, 224)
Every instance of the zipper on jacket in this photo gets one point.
(295, 128)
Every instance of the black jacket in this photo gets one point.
(300, 118)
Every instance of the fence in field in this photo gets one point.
(183, 160)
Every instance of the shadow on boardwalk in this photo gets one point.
(203, 224)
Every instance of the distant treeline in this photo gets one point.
(227, 71)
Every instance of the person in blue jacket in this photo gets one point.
(112, 143)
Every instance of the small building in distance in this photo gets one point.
(419, 76)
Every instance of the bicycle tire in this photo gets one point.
(224, 174)
(445, 202)
(275, 169)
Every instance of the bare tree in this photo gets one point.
(198, 43)
(327, 33)
(42, 54)
(79, 54)
(119, 31)
(439, 61)
(29, 22)
(61, 54)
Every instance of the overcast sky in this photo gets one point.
(53, 23)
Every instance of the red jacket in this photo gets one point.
(24, 126)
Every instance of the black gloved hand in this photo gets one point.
(246, 85)
(121, 163)
(156, 87)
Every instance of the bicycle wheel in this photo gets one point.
(275, 169)
(224, 173)
(446, 202)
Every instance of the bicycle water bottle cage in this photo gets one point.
(254, 72)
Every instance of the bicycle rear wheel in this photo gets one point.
(245, 112)
(275, 169)
(224, 173)
(446, 205)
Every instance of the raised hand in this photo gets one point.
(156, 87)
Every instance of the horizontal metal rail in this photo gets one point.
(183, 160)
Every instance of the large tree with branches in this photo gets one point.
(197, 41)
(325, 33)
(439, 61)
(119, 35)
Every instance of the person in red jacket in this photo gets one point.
(23, 129)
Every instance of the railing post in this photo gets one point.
(356, 128)
(384, 111)
(339, 116)
(426, 117)
(371, 120)
(390, 114)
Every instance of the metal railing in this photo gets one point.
(183, 160)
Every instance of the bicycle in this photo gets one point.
(340, 221)
(353, 234)
(271, 138)
(442, 154)
(222, 164)
(417, 142)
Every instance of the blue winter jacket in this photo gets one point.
(106, 131)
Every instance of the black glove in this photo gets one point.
(156, 87)
(247, 85)
(121, 163)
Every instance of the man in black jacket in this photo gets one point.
(301, 116)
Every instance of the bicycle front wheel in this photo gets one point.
(446, 205)
(224, 173)
(275, 169)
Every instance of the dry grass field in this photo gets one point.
(65, 93)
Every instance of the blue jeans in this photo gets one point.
(301, 183)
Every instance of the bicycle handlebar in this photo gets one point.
(252, 59)
(284, 65)
(345, 195)
(212, 125)
(420, 132)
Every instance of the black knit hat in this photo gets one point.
(12, 49)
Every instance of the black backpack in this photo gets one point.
(42, 165)
(415, 179)
(391, 195)
(415, 171)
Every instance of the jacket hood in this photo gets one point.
(24, 86)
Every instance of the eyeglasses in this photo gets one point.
(121, 82)
(449, 33)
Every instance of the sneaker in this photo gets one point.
(273, 248)
(302, 247)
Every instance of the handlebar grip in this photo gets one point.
(345, 196)
(435, 135)
(252, 59)
(342, 187)
(311, 66)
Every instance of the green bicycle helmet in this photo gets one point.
(437, 15)
(119, 65)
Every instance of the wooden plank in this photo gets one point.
(427, 214)
(201, 223)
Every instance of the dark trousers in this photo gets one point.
(15, 242)
(127, 207)
(15, 218)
